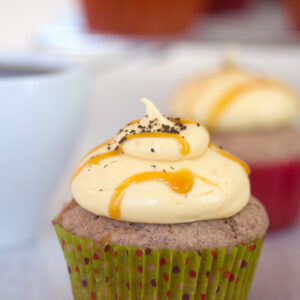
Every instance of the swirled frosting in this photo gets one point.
(160, 170)
(232, 99)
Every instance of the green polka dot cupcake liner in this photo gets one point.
(105, 271)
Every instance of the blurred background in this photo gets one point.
(71, 74)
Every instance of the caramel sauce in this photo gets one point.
(185, 146)
(133, 122)
(233, 94)
(205, 180)
(231, 157)
(184, 122)
(96, 148)
(180, 182)
(94, 160)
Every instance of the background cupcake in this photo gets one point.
(253, 117)
(294, 8)
(144, 17)
(161, 214)
(217, 6)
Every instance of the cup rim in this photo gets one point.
(59, 68)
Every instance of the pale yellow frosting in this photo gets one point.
(232, 99)
(217, 186)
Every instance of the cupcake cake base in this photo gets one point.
(110, 259)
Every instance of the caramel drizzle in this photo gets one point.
(185, 147)
(231, 157)
(233, 94)
(180, 182)
(95, 160)
(96, 148)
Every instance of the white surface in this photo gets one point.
(38, 271)
(40, 116)
(20, 20)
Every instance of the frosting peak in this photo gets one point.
(153, 113)
(157, 138)
(160, 170)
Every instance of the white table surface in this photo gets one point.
(37, 270)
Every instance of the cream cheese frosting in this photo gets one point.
(233, 99)
(160, 170)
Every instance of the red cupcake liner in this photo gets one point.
(277, 186)
(216, 6)
(140, 17)
(294, 6)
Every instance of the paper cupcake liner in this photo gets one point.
(145, 17)
(106, 271)
(277, 186)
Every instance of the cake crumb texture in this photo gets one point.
(249, 224)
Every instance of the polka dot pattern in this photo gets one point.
(252, 247)
(153, 283)
(140, 269)
(243, 264)
(229, 275)
(193, 274)
(84, 283)
(95, 256)
(95, 269)
(166, 277)
(162, 261)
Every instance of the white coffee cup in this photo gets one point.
(42, 102)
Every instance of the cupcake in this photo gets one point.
(160, 213)
(294, 8)
(253, 117)
(216, 6)
(143, 17)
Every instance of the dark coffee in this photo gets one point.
(23, 71)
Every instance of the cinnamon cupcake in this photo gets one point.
(253, 117)
(160, 213)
